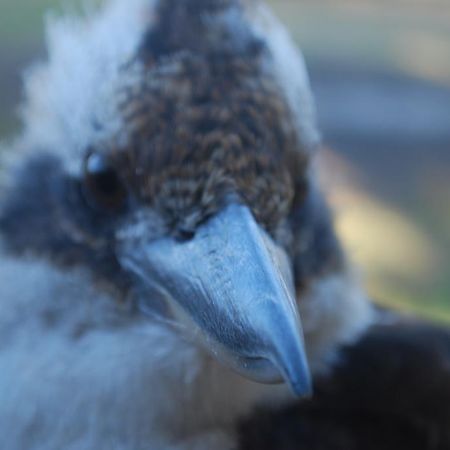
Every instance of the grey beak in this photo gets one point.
(234, 285)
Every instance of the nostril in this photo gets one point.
(184, 234)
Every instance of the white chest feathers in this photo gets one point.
(79, 372)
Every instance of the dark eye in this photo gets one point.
(102, 186)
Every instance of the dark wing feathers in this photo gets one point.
(390, 391)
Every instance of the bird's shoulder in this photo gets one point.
(390, 390)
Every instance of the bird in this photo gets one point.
(170, 274)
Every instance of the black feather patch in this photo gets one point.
(390, 391)
(316, 250)
(43, 213)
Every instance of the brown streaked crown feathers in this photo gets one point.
(206, 121)
(201, 115)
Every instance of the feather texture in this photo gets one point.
(79, 367)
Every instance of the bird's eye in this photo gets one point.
(102, 186)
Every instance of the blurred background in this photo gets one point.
(380, 71)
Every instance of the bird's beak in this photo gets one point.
(234, 285)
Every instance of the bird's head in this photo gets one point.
(200, 205)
